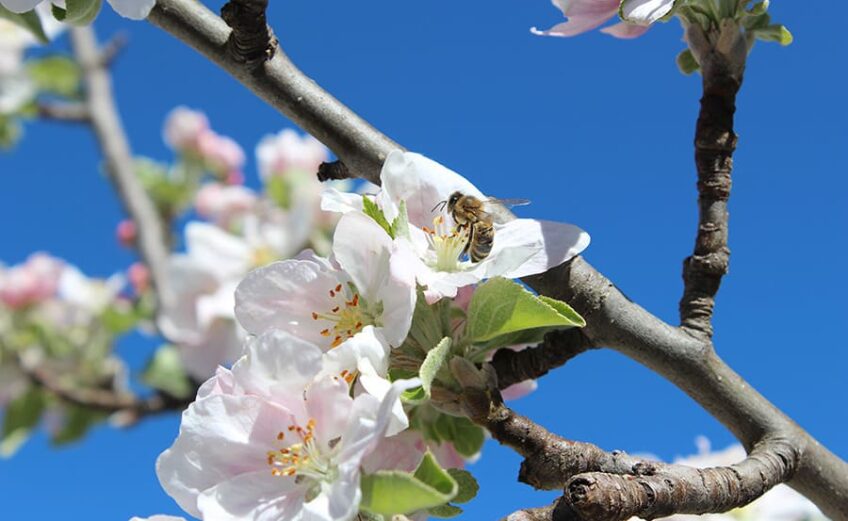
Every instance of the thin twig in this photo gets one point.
(66, 112)
(558, 348)
(110, 134)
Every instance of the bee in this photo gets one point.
(477, 217)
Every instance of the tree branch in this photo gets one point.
(251, 42)
(559, 347)
(723, 63)
(67, 112)
(612, 319)
(110, 134)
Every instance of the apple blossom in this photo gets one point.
(326, 304)
(223, 155)
(275, 438)
(32, 282)
(585, 15)
(223, 203)
(134, 9)
(287, 152)
(522, 246)
(183, 128)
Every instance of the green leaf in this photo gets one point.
(165, 372)
(22, 415)
(687, 63)
(77, 422)
(373, 211)
(29, 21)
(10, 132)
(118, 321)
(279, 191)
(501, 306)
(444, 511)
(55, 75)
(81, 12)
(400, 226)
(389, 492)
(433, 362)
(468, 486)
(465, 436)
(774, 33)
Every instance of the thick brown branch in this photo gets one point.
(333, 171)
(723, 62)
(559, 347)
(113, 142)
(251, 42)
(680, 489)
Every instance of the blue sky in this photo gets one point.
(593, 130)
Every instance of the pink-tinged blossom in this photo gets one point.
(324, 303)
(521, 247)
(288, 152)
(32, 282)
(224, 203)
(183, 128)
(586, 15)
(275, 438)
(222, 154)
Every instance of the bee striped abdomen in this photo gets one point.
(481, 240)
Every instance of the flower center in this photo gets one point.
(348, 315)
(263, 255)
(304, 458)
(448, 245)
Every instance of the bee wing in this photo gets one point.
(508, 203)
(498, 209)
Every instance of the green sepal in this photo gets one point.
(371, 209)
(78, 12)
(28, 20)
(687, 63)
(390, 492)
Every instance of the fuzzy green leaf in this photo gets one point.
(22, 415)
(433, 362)
(165, 372)
(501, 306)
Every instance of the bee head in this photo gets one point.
(453, 199)
(450, 202)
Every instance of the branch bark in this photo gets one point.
(103, 114)
(513, 367)
(723, 64)
(612, 320)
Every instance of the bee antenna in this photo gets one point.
(440, 206)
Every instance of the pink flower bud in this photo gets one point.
(234, 178)
(32, 282)
(288, 151)
(222, 154)
(139, 277)
(127, 233)
(183, 128)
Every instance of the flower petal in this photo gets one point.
(278, 365)
(368, 344)
(583, 16)
(284, 295)
(218, 251)
(20, 6)
(221, 437)
(625, 30)
(220, 345)
(328, 402)
(134, 9)
(258, 496)
(526, 246)
(338, 500)
(422, 183)
(645, 12)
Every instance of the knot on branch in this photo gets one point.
(251, 42)
(333, 171)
